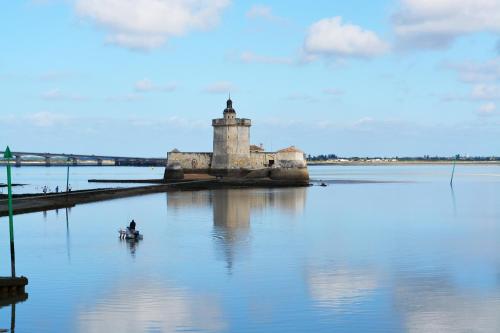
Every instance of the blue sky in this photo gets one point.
(357, 78)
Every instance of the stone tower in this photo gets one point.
(231, 142)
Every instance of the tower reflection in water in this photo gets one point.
(233, 212)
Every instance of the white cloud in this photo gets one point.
(470, 72)
(47, 119)
(147, 24)
(136, 41)
(124, 98)
(265, 13)
(487, 109)
(483, 77)
(146, 85)
(332, 37)
(297, 96)
(220, 87)
(363, 121)
(57, 95)
(250, 57)
(172, 121)
(333, 91)
(437, 23)
(260, 11)
(42, 2)
(52, 94)
(453, 97)
(486, 92)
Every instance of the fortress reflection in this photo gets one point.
(233, 210)
(287, 200)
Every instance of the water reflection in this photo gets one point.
(132, 245)
(377, 258)
(68, 244)
(231, 215)
(188, 199)
(453, 201)
(337, 287)
(152, 307)
(289, 200)
(431, 302)
(12, 301)
(233, 210)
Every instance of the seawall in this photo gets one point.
(35, 202)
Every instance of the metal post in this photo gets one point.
(8, 156)
(67, 175)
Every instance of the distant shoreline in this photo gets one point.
(309, 163)
(364, 163)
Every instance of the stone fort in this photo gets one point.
(234, 156)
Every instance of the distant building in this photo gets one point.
(234, 156)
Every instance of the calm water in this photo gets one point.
(35, 178)
(405, 256)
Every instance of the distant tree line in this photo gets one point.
(322, 157)
(458, 157)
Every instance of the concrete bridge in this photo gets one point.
(73, 159)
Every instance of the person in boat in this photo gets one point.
(131, 228)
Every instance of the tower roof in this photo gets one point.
(229, 106)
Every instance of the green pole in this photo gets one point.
(8, 155)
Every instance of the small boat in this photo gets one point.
(127, 233)
(323, 184)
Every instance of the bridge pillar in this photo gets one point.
(18, 160)
(99, 161)
(47, 161)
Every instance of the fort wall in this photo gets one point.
(191, 161)
(280, 165)
(259, 160)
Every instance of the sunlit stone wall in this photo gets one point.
(191, 161)
(231, 143)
